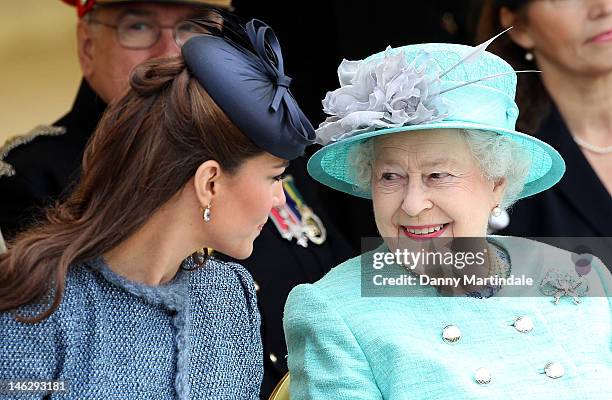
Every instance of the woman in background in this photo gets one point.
(568, 105)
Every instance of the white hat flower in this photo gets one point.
(382, 93)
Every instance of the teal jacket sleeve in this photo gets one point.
(324, 358)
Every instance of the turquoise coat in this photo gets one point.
(342, 345)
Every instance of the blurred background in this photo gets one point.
(39, 71)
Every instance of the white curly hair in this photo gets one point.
(497, 155)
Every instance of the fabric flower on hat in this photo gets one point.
(382, 93)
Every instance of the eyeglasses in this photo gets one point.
(142, 32)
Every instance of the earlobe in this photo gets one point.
(519, 33)
(499, 188)
(84, 48)
(206, 181)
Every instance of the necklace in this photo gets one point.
(591, 147)
(499, 267)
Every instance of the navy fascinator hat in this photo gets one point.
(241, 68)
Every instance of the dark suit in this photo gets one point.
(47, 167)
(578, 206)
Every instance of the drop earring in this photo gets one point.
(496, 211)
(206, 213)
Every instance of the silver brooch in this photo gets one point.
(560, 284)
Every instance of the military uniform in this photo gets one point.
(38, 168)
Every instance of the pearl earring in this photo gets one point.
(206, 213)
(497, 211)
(529, 56)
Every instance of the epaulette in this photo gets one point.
(7, 169)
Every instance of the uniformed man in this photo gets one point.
(113, 36)
(296, 245)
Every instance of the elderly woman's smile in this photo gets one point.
(424, 232)
(429, 184)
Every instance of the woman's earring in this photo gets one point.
(529, 56)
(206, 213)
(496, 211)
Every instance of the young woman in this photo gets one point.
(97, 301)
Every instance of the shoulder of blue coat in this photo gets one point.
(231, 275)
(215, 265)
(83, 284)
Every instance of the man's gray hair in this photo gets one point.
(497, 155)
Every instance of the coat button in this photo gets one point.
(482, 376)
(451, 334)
(523, 324)
(554, 370)
(273, 358)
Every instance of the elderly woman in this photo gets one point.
(427, 132)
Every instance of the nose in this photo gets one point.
(416, 199)
(166, 46)
(600, 8)
(279, 195)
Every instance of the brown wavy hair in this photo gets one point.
(147, 146)
(532, 97)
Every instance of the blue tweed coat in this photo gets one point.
(197, 337)
(345, 346)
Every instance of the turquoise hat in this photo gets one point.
(422, 87)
